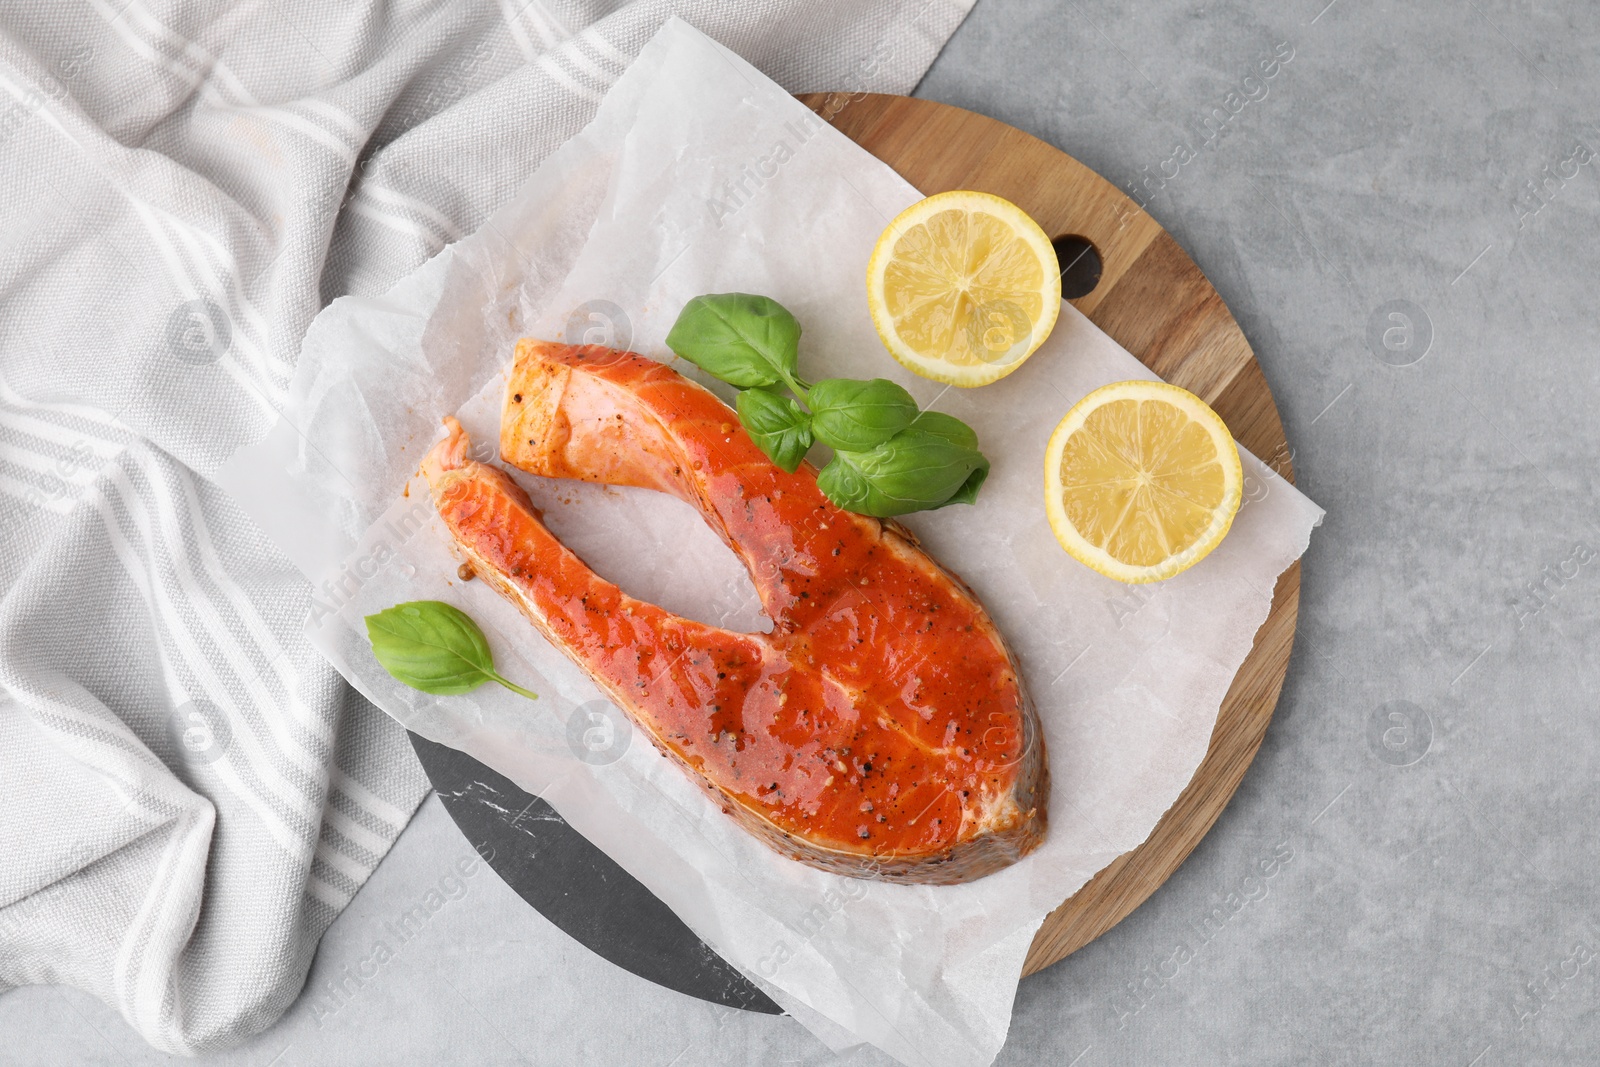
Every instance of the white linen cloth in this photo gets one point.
(190, 794)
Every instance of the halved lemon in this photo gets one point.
(963, 286)
(1141, 480)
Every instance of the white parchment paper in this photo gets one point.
(700, 175)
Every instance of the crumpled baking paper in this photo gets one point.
(700, 175)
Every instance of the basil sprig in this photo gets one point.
(431, 646)
(888, 458)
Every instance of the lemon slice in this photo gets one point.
(1141, 480)
(963, 286)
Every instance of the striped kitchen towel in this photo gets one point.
(190, 794)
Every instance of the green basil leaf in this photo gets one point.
(742, 339)
(952, 429)
(912, 471)
(968, 493)
(777, 424)
(842, 482)
(948, 427)
(857, 416)
(432, 646)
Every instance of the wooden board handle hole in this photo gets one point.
(1080, 265)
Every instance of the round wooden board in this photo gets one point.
(1156, 303)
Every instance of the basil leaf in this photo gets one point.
(948, 427)
(857, 416)
(432, 646)
(777, 425)
(842, 482)
(742, 339)
(968, 493)
(912, 471)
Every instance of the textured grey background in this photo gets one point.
(1425, 801)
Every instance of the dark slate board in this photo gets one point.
(576, 886)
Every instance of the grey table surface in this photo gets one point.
(1429, 782)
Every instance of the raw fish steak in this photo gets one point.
(881, 730)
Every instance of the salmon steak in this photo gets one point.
(880, 730)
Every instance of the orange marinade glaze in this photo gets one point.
(882, 705)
